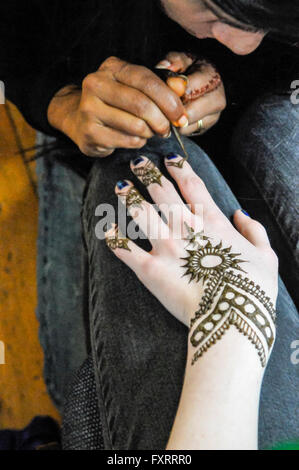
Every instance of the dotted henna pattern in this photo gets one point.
(229, 299)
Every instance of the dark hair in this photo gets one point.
(279, 17)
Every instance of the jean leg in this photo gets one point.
(265, 152)
(139, 349)
(59, 273)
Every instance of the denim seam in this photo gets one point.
(44, 326)
(97, 360)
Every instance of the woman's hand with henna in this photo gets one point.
(206, 272)
(121, 105)
(204, 99)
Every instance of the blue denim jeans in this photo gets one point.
(138, 349)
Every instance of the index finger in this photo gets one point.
(192, 188)
(154, 88)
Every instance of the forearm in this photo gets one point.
(219, 402)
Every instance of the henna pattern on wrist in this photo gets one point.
(229, 299)
(117, 241)
(148, 174)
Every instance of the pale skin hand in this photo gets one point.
(207, 107)
(220, 398)
(161, 269)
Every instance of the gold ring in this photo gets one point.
(200, 126)
(200, 129)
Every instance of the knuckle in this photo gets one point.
(142, 107)
(254, 224)
(125, 68)
(84, 148)
(135, 142)
(174, 106)
(216, 219)
(162, 127)
(86, 110)
(149, 268)
(110, 62)
(173, 248)
(193, 182)
(90, 82)
(139, 127)
(168, 186)
(151, 83)
(88, 131)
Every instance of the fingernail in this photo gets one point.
(182, 122)
(245, 213)
(164, 64)
(172, 156)
(122, 184)
(166, 136)
(137, 161)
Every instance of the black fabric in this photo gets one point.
(50, 44)
(81, 428)
(42, 433)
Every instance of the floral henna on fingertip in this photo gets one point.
(148, 173)
(129, 195)
(115, 239)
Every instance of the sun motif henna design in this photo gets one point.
(148, 174)
(117, 241)
(229, 299)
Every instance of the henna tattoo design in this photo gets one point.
(179, 164)
(117, 241)
(133, 198)
(192, 237)
(148, 174)
(229, 299)
(211, 86)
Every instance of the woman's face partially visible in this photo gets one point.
(203, 19)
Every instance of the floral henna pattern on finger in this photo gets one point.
(229, 300)
(148, 174)
(132, 198)
(117, 240)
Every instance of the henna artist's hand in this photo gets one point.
(206, 272)
(204, 98)
(121, 105)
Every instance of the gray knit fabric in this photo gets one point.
(81, 429)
